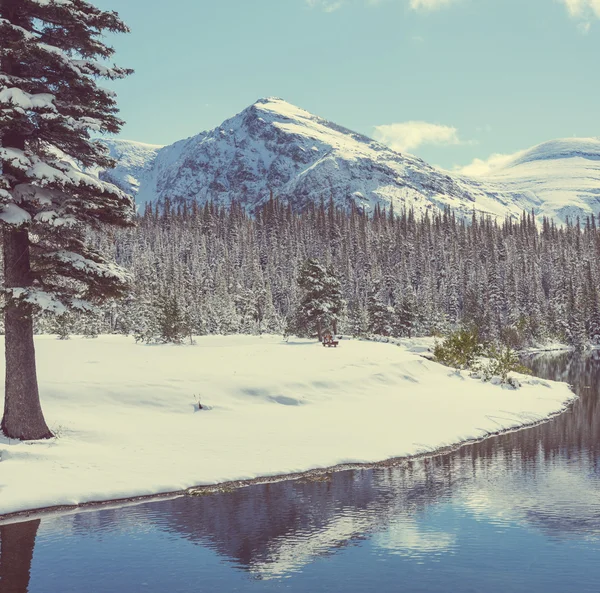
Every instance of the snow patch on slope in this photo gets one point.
(134, 161)
(563, 175)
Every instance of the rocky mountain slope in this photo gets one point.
(273, 146)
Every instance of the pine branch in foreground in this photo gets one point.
(52, 53)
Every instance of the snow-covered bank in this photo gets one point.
(128, 422)
(547, 347)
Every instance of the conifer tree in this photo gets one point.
(406, 316)
(171, 321)
(51, 54)
(322, 305)
(380, 316)
(516, 282)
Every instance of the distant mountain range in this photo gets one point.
(273, 146)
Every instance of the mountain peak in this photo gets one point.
(281, 107)
(275, 147)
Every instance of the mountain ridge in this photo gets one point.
(275, 147)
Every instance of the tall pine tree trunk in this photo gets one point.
(23, 418)
(17, 541)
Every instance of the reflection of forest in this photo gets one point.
(546, 476)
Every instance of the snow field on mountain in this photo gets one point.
(128, 424)
(563, 174)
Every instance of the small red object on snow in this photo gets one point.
(328, 341)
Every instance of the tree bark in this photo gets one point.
(23, 418)
(17, 541)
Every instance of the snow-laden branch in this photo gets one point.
(12, 214)
(39, 299)
(58, 174)
(24, 100)
(80, 263)
(44, 301)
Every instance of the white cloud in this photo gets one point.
(430, 4)
(584, 11)
(584, 27)
(418, 5)
(407, 136)
(583, 8)
(326, 5)
(484, 167)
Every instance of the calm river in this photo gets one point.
(517, 513)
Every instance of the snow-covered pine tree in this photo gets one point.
(380, 315)
(51, 54)
(406, 315)
(322, 306)
(171, 321)
(212, 255)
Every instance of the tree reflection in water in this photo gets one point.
(17, 541)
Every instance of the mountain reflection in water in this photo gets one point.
(520, 512)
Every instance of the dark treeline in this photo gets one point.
(209, 269)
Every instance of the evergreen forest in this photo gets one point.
(209, 269)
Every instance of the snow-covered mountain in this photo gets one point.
(273, 146)
(134, 161)
(563, 174)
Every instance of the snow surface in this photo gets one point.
(133, 161)
(563, 174)
(128, 423)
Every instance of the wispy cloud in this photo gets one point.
(418, 5)
(582, 8)
(485, 167)
(430, 4)
(410, 135)
(326, 5)
(584, 11)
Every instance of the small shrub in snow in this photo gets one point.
(459, 350)
(463, 350)
(63, 326)
(59, 431)
(501, 362)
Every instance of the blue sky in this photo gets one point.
(447, 80)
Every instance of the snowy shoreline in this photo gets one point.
(200, 489)
(286, 411)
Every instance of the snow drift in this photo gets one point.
(128, 423)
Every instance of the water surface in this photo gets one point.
(519, 512)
